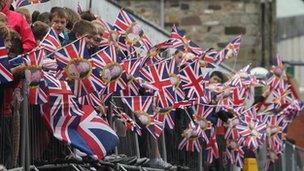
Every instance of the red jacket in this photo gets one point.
(18, 22)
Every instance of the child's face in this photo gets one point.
(215, 79)
(8, 43)
(58, 24)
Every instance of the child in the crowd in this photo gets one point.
(9, 92)
(18, 22)
(26, 13)
(58, 21)
(84, 28)
(99, 32)
(40, 29)
(72, 17)
(44, 17)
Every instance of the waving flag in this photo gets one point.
(132, 34)
(181, 42)
(82, 129)
(191, 138)
(231, 50)
(142, 107)
(201, 115)
(110, 67)
(20, 3)
(77, 67)
(212, 150)
(129, 123)
(193, 83)
(252, 132)
(158, 78)
(234, 152)
(50, 42)
(132, 67)
(5, 73)
(37, 87)
(100, 137)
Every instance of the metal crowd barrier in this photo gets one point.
(25, 142)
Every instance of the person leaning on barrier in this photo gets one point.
(8, 97)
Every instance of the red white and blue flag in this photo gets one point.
(129, 123)
(194, 83)
(181, 42)
(159, 79)
(231, 50)
(50, 42)
(5, 73)
(77, 67)
(37, 87)
(82, 129)
(212, 150)
(191, 138)
(142, 107)
(21, 3)
(109, 64)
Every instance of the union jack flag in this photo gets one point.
(5, 74)
(76, 66)
(193, 83)
(181, 42)
(212, 150)
(252, 132)
(21, 3)
(109, 64)
(231, 50)
(97, 100)
(153, 54)
(123, 21)
(97, 134)
(132, 34)
(127, 120)
(142, 107)
(208, 58)
(50, 42)
(82, 129)
(37, 88)
(234, 152)
(191, 138)
(158, 78)
(132, 67)
(201, 114)
(281, 95)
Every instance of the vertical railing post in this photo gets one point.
(136, 139)
(293, 161)
(200, 161)
(164, 149)
(25, 131)
(283, 158)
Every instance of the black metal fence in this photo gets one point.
(44, 149)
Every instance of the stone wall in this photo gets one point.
(211, 23)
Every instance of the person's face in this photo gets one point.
(8, 43)
(58, 24)
(97, 39)
(215, 79)
(90, 40)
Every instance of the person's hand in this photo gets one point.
(17, 98)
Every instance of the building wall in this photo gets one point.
(211, 23)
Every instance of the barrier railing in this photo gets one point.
(34, 145)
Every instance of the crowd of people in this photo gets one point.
(212, 109)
